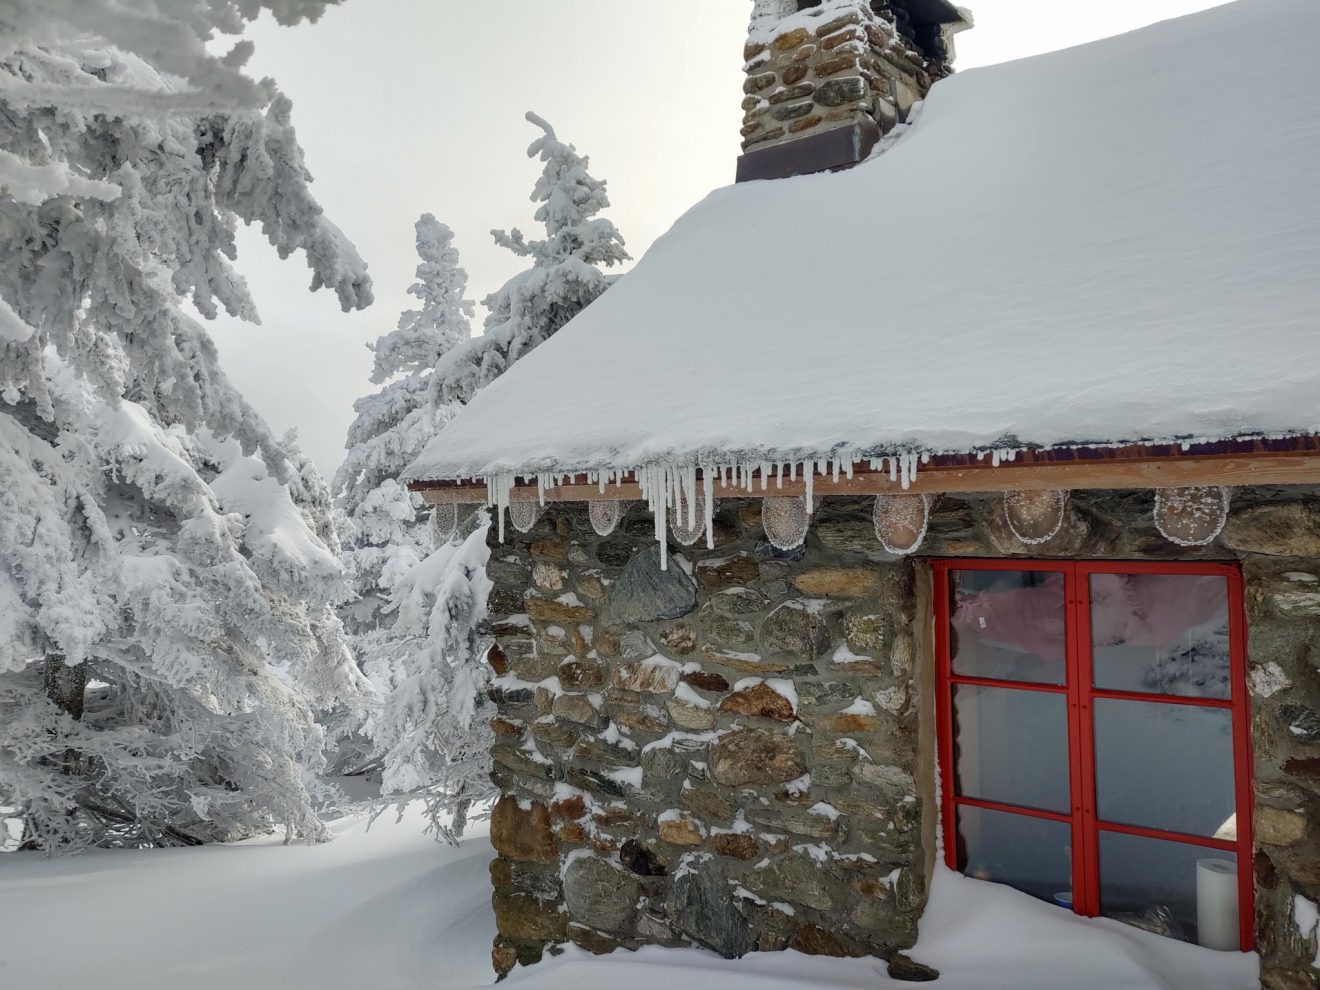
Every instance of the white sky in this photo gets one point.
(407, 106)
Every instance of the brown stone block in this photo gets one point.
(814, 941)
(550, 549)
(736, 846)
(569, 809)
(833, 66)
(647, 677)
(759, 82)
(497, 660)
(753, 49)
(845, 723)
(838, 24)
(759, 701)
(707, 803)
(591, 940)
(793, 74)
(842, 38)
(774, 134)
(742, 662)
(805, 124)
(681, 832)
(1278, 827)
(790, 93)
(523, 917)
(559, 613)
(838, 582)
(522, 834)
(737, 571)
(750, 756)
(789, 41)
(502, 959)
(706, 680)
(571, 833)
(504, 727)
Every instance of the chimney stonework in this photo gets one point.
(826, 80)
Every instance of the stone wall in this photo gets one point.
(736, 752)
(832, 66)
(724, 753)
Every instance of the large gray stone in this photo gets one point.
(701, 906)
(1288, 529)
(794, 878)
(599, 894)
(794, 632)
(645, 593)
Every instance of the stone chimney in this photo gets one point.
(827, 78)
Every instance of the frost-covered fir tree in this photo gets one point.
(386, 537)
(167, 570)
(432, 731)
(566, 274)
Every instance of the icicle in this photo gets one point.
(893, 468)
(809, 483)
(708, 491)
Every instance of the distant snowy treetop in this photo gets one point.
(1104, 244)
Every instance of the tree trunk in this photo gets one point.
(67, 687)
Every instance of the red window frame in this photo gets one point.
(1080, 690)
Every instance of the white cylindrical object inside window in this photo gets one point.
(1217, 904)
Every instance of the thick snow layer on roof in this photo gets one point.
(1117, 242)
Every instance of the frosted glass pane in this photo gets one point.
(1031, 854)
(1161, 633)
(1008, 625)
(1152, 883)
(1165, 766)
(1012, 746)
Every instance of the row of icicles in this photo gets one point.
(1188, 517)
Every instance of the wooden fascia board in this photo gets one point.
(1117, 474)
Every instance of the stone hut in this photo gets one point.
(974, 489)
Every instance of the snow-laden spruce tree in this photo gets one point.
(565, 276)
(167, 570)
(432, 731)
(386, 536)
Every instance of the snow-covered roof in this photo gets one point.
(1115, 243)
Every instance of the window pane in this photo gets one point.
(1031, 854)
(1008, 625)
(1165, 766)
(1161, 633)
(1156, 885)
(1012, 746)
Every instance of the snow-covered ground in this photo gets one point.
(388, 909)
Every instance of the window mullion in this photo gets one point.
(1081, 744)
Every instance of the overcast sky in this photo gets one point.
(408, 106)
